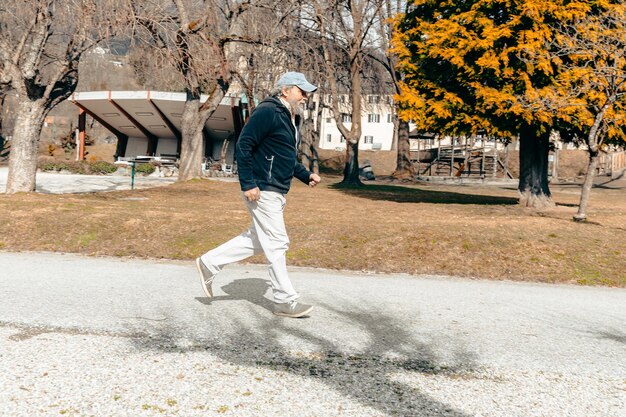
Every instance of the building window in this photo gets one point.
(389, 120)
(346, 118)
(373, 99)
(341, 98)
(328, 120)
(369, 139)
(342, 140)
(373, 118)
(329, 138)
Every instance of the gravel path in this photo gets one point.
(118, 337)
(55, 183)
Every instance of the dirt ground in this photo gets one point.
(470, 231)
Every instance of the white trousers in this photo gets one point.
(267, 234)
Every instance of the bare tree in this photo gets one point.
(187, 39)
(301, 50)
(594, 50)
(4, 152)
(267, 51)
(310, 136)
(588, 98)
(345, 30)
(404, 166)
(201, 45)
(41, 44)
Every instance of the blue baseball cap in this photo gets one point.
(296, 78)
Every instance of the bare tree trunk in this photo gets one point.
(593, 147)
(24, 146)
(309, 156)
(581, 215)
(317, 128)
(192, 147)
(396, 133)
(309, 136)
(533, 178)
(315, 160)
(355, 34)
(404, 166)
(351, 168)
(2, 140)
(2, 98)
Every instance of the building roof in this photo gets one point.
(153, 113)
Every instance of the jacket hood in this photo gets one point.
(276, 101)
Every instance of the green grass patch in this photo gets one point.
(86, 239)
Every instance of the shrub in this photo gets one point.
(50, 166)
(146, 169)
(102, 167)
(77, 167)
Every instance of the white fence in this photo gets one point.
(612, 163)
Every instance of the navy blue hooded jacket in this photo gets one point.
(267, 149)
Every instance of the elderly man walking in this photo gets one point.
(267, 161)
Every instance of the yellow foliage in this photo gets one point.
(465, 71)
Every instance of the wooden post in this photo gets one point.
(555, 165)
(506, 157)
(466, 155)
(452, 156)
(469, 156)
(82, 123)
(495, 157)
(418, 155)
(482, 160)
(438, 154)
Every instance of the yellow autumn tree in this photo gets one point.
(475, 66)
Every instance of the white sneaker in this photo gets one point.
(206, 277)
(292, 309)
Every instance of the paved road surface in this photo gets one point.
(106, 336)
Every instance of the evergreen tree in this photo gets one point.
(477, 66)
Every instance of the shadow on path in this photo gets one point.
(247, 289)
(367, 375)
(614, 335)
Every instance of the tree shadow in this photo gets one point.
(618, 183)
(247, 289)
(370, 375)
(614, 335)
(400, 194)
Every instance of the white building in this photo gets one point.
(377, 130)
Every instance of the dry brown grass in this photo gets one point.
(425, 228)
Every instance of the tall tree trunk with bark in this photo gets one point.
(24, 146)
(309, 136)
(533, 178)
(359, 18)
(404, 166)
(2, 139)
(593, 147)
(351, 168)
(195, 115)
(585, 193)
(192, 146)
